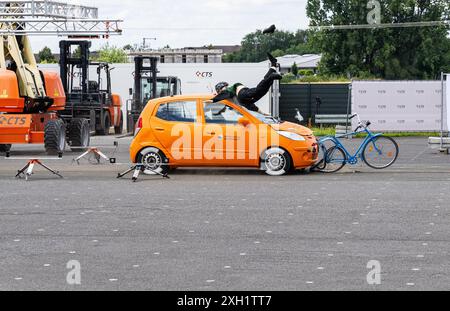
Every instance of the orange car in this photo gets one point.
(192, 131)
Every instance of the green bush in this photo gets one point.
(306, 72)
(288, 78)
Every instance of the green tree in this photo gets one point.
(128, 47)
(294, 69)
(46, 56)
(390, 53)
(111, 54)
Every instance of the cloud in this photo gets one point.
(181, 23)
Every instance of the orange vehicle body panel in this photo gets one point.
(115, 109)
(24, 128)
(19, 128)
(159, 134)
(10, 100)
(55, 90)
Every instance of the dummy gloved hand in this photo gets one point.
(222, 96)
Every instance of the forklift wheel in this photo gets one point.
(118, 130)
(55, 137)
(79, 133)
(104, 131)
(5, 148)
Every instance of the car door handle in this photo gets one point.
(211, 133)
(160, 129)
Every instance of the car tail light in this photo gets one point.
(138, 126)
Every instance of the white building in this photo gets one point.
(182, 56)
(304, 62)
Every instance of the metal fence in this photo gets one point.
(313, 99)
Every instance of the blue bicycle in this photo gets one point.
(377, 151)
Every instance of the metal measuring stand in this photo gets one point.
(27, 170)
(137, 169)
(97, 153)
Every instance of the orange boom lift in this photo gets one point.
(31, 99)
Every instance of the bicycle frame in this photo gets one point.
(351, 159)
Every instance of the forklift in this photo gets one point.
(88, 99)
(147, 86)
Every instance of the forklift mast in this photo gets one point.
(69, 61)
(145, 67)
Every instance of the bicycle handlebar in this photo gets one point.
(360, 123)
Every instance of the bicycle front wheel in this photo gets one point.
(334, 160)
(381, 152)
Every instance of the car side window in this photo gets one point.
(219, 113)
(178, 112)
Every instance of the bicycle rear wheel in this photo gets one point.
(334, 160)
(381, 152)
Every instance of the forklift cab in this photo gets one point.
(165, 86)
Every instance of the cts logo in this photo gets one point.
(205, 74)
(12, 120)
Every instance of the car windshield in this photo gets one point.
(263, 118)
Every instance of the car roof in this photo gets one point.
(183, 97)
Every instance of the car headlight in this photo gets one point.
(292, 136)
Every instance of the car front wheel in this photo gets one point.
(276, 162)
(154, 161)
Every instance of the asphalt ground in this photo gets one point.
(226, 229)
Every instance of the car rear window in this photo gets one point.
(178, 112)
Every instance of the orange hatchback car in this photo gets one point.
(192, 131)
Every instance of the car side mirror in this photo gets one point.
(244, 122)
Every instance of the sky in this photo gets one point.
(179, 23)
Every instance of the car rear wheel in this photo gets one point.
(276, 162)
(154, 161)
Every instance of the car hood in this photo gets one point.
(292, 127)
